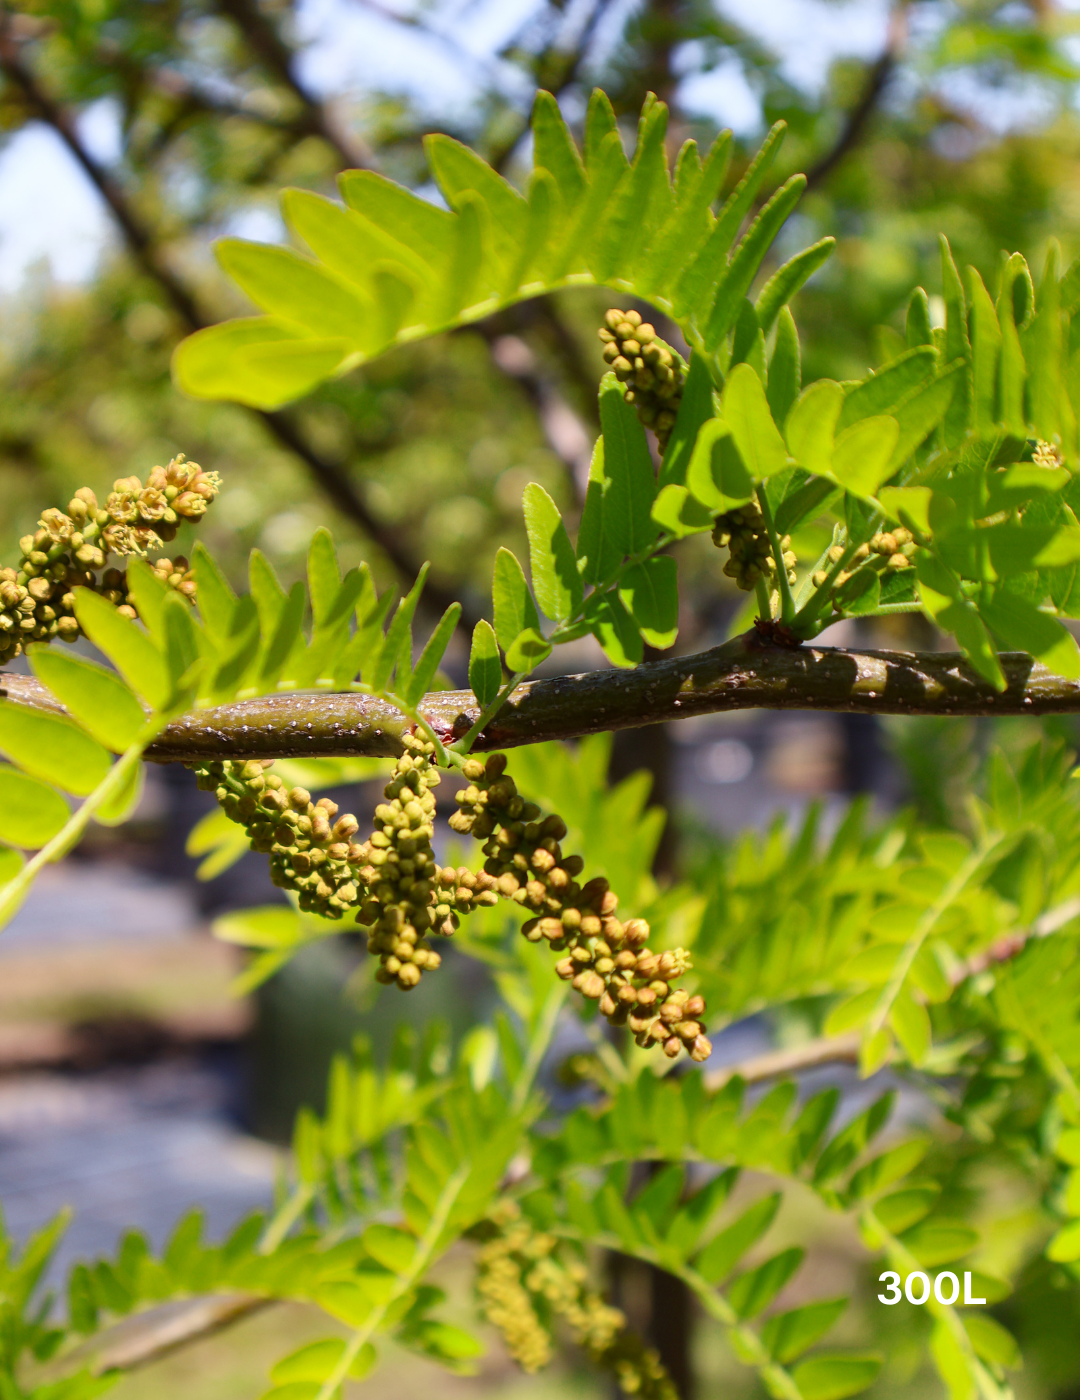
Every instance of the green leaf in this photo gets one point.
(741, 271)
(990, 1340)
(527, 650)
(920, 414)
(424, 674)
(52, 748)
(746, 412)
(627, 501)
(862, 455)
(985, 356)
(324, 576)
(485, 668)
(717, 475)
(317, 1360)
(269, 926)
(887, 389)
(1022, 626)
(850, 1141)
(811, 425)
(910, 1021)
(833, 1376)
(752, 1292)
(555, 576)
(1012, 370)
(956, 346)
(11, 862)
(720, 1256)
(903, 1209)
(695, 408)
(699, 278)
(396, 651)
(787, 1335)
(650, 594)
(261, 361)
(31, 813)
(288, 286)
(115, 810)
(677, 512)
(946, 607)
(934, 1242)
(918, 330)
(125, 644)
(614, 629)
(514, 609)
(787, 280)
(554, 148)
(890, 1166)
(98, 698)
(216, 597)
(785, 368)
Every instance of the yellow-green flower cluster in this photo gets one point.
(523, 1284)
(309, 851)
(886, 553)
(407, 895)
(750, 555)
(607, 960)
(650, 369)
(68, 548)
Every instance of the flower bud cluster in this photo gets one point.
(750, 554)
(309, 851)
(649, 368)
(66, 551)
(606, 960)
(886, 553)
(397, 868)
(523, 1283)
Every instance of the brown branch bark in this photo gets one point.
(737, 676)
(138, 1340)
(876, 82)
(829, 1050)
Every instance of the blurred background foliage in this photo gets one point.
(184, 118)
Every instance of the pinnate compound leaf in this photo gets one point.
(485, 669)
(788, 1335)
(514, 609)
(125, 644)
(315, 1361)
(52, 748)
(554, 569)
(834, 1375)
(31, 812)
(98, 698)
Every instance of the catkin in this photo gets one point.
(606, 960)
(68, 549)
(650, 369)
(523, 1283)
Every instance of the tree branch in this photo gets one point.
(138, 1340)
(877, 81)
(829, 1050)
(740, 675)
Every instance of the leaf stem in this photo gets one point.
(425, 1251)
(787, 602)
